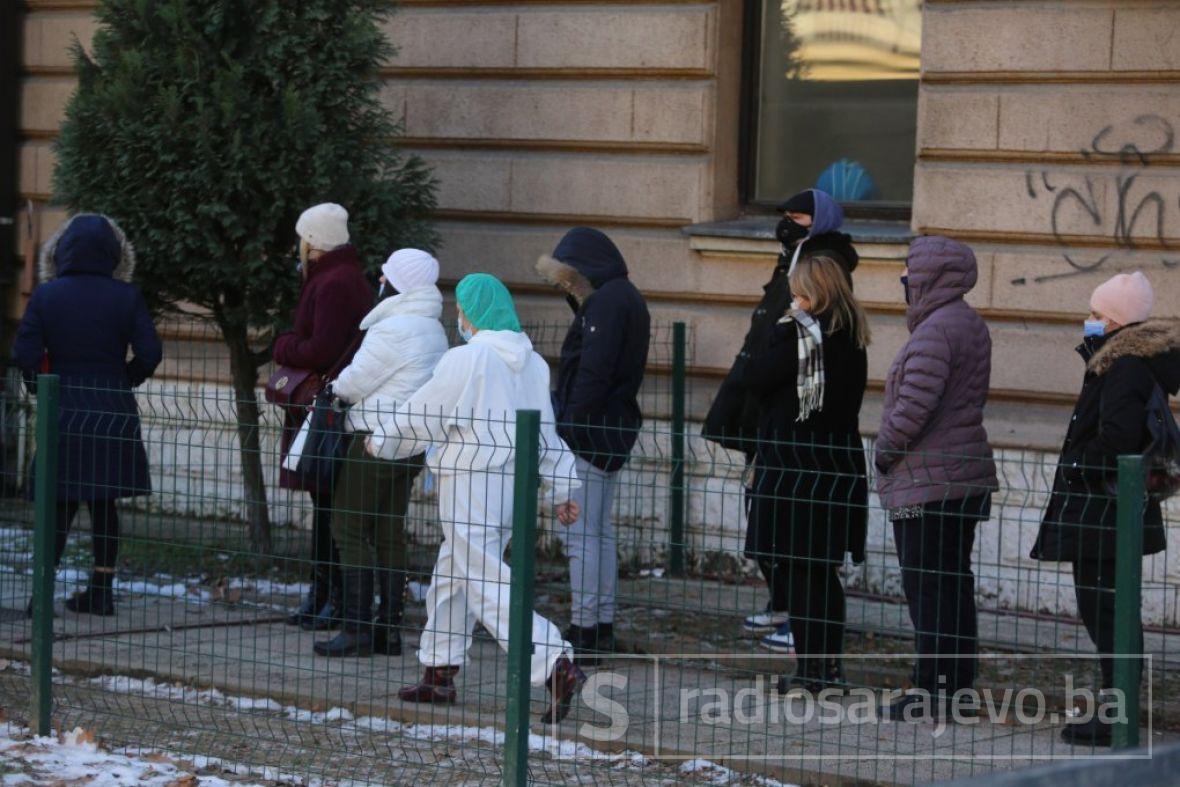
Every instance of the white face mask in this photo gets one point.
(1093, 328)
(465, 332)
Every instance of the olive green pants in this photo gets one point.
(370, 503)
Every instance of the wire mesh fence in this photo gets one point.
(688, 682)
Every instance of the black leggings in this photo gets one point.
(1093, 582)
(104, 524)
(810, 591)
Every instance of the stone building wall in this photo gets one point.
(1046, 139)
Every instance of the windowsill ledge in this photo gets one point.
(761, 228)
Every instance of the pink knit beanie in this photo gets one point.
(1126, 298)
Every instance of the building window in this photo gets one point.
(834, 100)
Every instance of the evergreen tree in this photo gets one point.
(205, 126)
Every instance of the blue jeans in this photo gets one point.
(592, 548)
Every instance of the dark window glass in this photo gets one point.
(837, 99)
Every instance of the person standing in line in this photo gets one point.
(79, 324)
(935, 468)
(810, 225)
(404, 340)
(466, 415)
(1130, 360)
(596, 401)
(334, 299)
(810, 498)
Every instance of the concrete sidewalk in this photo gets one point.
(698, 690)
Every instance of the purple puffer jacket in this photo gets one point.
(932, 445)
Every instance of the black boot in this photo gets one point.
(604, 638)
(582, 639)
(98, 598)
(356, 635)
(808, 677)
(316, 596)
(1092, 731)
(328, 615)
(391, 587)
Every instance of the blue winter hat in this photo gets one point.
(487, 303)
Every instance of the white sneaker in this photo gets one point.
(781, 641)
(765, 621)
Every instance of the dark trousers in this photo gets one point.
(325, 566)
(104, 524)
(1093, 582)
(814, 598)
(371, 499)
(934, 551)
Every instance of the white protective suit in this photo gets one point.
(466, 416)
(404, 340)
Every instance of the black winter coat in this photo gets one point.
(810, 492)
(604, 355)
(1109, 420)
(733, 418)
(81, 321)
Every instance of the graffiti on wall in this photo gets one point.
(1139, 214)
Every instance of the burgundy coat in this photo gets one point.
(334, 298)
(932, 445)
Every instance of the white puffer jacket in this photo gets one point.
(403, 342)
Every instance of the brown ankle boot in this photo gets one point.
(563, 684)
(436, 687)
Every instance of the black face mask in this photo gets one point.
(573, 303)
(905, 284)
(789, 232)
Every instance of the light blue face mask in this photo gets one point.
(464, 332)
(1093, 328)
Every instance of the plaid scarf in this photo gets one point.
(810, 382)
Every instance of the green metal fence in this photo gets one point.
(199, 659)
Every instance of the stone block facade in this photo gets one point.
(1047, 138)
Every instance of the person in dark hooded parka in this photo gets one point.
(1129, 359)
(78, 325)
(809, 227)
(596, 404)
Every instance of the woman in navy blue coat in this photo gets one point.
(78, 325)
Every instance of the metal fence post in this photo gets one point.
(676, 501)
(45, 501)
(1128, 596)
(526, 482)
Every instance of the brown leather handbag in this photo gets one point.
(289, 387)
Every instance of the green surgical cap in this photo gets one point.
(487, 303)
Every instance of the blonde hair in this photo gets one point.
(823, 282)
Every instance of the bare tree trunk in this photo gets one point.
(244, 363)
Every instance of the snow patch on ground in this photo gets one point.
(712, 773)
(698, 770)
(74, 758)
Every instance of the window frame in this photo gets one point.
(751, 83)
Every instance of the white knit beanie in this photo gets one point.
(324, 226)
(410, 269)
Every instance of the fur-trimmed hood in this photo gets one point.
(584, 260)
(1156, 341)
(87, 243)
(564, 276)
